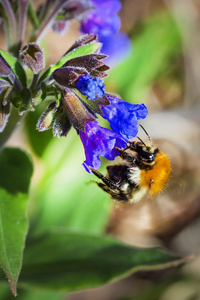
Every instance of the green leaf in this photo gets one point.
(81, 51)
(16, 171)
(41, 295)
(68, 261)
(80, 204)
(15, 66)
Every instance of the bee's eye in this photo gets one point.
(145, 155)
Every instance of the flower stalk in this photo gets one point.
(10, 23)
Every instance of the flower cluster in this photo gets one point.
(83, 98)
(79, 98)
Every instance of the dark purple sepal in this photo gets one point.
(65, 76)
(92, 63)
(103, 100)
(33, 57)
(75, 110)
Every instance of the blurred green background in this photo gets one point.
(162, 71)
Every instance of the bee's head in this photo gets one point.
(146, 153)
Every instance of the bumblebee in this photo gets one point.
(145, 171)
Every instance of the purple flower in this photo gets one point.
(104, 22)
(101, 24)
(103, 19)
(123, 116)
(117, 47)
(90, 87)
(108, 6)
(99, 141)
(32, 56)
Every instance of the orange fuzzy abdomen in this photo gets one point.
(156, 178)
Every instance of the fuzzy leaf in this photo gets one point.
(63, 260)
(83, 50)
(16, 171)
(15, 66)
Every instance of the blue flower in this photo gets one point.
(90, 87)
(99, 141)
(123, 116)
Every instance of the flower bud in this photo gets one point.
(46, 119)
(65, 76)
(33, 57)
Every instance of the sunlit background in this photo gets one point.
(162, 71)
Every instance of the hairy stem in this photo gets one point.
(49, 20)
(11, 24)
(22, 16)
(34, 81)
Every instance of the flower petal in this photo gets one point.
(116, 46)
(101, 24)
(123, 116)
(108, 6)
(90, 87)
(100, 141)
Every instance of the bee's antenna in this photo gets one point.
(146, 133)
(141, 141)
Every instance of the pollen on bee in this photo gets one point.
(156, 178)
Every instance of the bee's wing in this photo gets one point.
(117, 173)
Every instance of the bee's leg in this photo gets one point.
(105, 179)
(124, 155)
